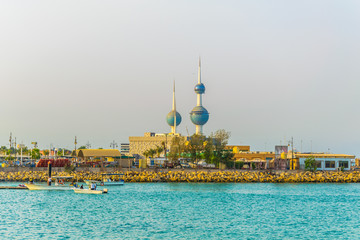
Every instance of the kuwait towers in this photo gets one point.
(199, 115)
(173, 118)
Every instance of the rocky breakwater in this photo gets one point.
(196, 176)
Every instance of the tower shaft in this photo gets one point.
(199, 129)
(199, 97)
(173, 128)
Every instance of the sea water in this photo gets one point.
(185, 211)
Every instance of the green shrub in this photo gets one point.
(310, 164)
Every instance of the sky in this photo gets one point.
(104, 70)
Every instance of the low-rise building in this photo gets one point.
(101, 155)
(327, 161)
(150, 140)
(238, 148)
(125, 149)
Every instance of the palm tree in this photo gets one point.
(159, 150)
(46, 152)
(146, 154)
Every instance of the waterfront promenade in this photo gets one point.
(190, 175)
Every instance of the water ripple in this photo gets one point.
(185, 211)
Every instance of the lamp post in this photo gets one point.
(114, 144)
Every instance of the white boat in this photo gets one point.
(89, 191)
(59, 184)
(106, 180)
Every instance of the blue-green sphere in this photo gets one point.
(199, 115)
(170, 118)
(200, 88)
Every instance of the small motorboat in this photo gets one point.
(59, 184)
(89, 191)
(107, 181)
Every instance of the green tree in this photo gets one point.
(220, 139)
(152, 152)
(25, 150)
(35, 154)
(60, 152)
(159, 150)
(177, 147)
(310, 164)
(194, 147)
(208, 152)
(146, 154)
(46, 152)
(82, 147)
(9, 152)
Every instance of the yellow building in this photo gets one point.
(101, 155)
(150, 140)
(238, 148)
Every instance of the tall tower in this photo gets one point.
(199, 115)
(173, 118)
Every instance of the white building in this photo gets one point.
(327, 161)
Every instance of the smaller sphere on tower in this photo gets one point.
(199, 88)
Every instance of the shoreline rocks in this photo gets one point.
(197, 176)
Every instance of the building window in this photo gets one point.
(329, 164)
(344, 164)
(318, 164)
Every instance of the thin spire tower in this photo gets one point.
(199, 115)
(173, 128)
(173, 118)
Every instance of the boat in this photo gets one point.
(106, 180)
(89, 191)
(59, 184)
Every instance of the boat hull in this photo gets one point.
(45, 187)
(113, 183)
(88, 182)
(88, 191)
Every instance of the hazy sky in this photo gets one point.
(103, 70)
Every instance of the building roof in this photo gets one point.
(323, 155)
(99, 153)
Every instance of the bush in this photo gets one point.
(253, 166)
(239, 165)
(310, 164)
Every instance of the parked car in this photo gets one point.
(185, 165)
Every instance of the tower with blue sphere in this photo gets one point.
(199, 115)
(173, 118)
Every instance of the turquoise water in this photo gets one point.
(185, 211)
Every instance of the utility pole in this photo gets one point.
(10, 140)
(292, 153)
(75, 142)
(15, 149)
